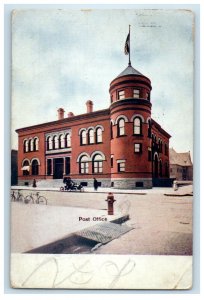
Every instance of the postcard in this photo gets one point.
(102, 149)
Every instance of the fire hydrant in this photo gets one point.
(110, 199)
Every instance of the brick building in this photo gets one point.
(121, 146)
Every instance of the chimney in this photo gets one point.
(70, 114)
(60, 113)
(89, 105)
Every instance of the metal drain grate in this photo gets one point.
(104, 232)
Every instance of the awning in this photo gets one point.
(26, 168)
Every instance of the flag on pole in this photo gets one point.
(127, 45)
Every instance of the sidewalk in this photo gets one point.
(182, 191)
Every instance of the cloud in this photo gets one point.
(61, 58)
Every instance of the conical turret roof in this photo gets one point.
(129, 71)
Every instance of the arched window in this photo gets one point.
(61, 141)
(68, 140)
(91, 136)
(149, 128)
(161, 146)
(30, 145)
(84, 165)
(97, 164)
(111, 130)
(137, 126)
(35, 144)
(25, 146)
(55, 142)
(49, 143)
(121, 127)
(98, 135)
(26, 168)
(35, 167)
(83, 137)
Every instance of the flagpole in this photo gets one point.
(129, 64)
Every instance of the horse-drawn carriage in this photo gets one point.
(70, 185)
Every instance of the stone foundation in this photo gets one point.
(132, 183)
(128, 183)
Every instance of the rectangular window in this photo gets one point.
(149, 154)
(136, 93)
(121, 95)
(121, 167)
(84, 168)
(111, 161)
(138, 148)
(98, 167)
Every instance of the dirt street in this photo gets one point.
(161, 225)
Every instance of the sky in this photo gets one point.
(62, 58)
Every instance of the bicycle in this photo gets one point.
(18, 198)
(38, 200)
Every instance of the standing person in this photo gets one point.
(95, 184)
(34, 183)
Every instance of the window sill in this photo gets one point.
(138, 135)
(124, 135)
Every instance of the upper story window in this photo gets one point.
(68, 140)
(35, 144)
(121, 127)
(98, 135)
(83, 137)
(31, 144)
(25, 146)
(55, 142)
(49, 143)
(61, 141)
(138, 148)
(136, 93)
(111, 130)
(149, 129)
(137, 123)
(160, 146)
(91, 136)
(121, 95)
(148, 96)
